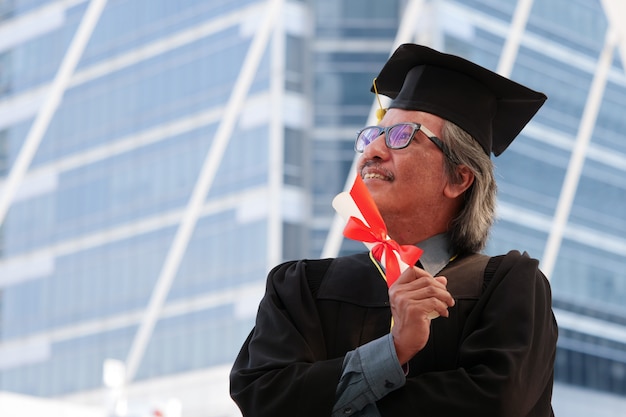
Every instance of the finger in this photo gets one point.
(428, 307)
(408, 275)
(424, 299)
(432, 315)
(440, 308)
(412, 274)
(433, 292)
(444, 281)
(441, 311)
(425, 281)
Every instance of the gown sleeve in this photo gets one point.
(506, 356)
(282, 368)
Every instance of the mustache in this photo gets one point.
(372, 165)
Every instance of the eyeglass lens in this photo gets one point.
(396, 137)
(400, 135)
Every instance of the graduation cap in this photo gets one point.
(491, 108)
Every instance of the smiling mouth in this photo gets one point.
(370, 170)
(382, 175)
(374, 175)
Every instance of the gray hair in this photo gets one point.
(469, 230)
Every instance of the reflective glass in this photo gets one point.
(397, 136)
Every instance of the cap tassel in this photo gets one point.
(380, 111)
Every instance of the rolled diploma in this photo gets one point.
(346, 207)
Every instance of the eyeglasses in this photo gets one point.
(398, 136)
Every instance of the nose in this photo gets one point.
(377, 149)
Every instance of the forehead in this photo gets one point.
(430, 121)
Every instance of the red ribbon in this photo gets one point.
(376, 233)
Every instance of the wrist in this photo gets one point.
(401, 354)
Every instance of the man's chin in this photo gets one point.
(380, 195)
(378, 188)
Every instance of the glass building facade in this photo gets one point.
(558, 55)
(98, 213)
(94, 219)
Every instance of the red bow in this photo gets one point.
(376, 232)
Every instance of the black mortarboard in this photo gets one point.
(491, 108)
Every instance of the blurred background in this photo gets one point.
(158, 157)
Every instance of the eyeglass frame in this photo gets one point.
(416, 128)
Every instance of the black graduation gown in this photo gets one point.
(493, 356)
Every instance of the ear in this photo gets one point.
(463, 180)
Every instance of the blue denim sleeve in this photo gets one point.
(369, 373)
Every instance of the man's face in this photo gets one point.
(405, 182)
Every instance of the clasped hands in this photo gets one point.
(413, 298)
